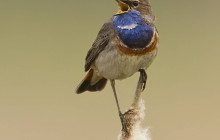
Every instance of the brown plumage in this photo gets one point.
(87, 83)
(138, 52)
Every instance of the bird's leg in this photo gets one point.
(143, 78)
(119, 110)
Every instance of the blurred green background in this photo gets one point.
(43, 44)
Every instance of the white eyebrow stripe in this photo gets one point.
(128, 27)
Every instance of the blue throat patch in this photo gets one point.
(132, 30)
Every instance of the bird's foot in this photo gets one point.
(123, 123)
(143, 78)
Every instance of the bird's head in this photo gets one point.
(143, 6)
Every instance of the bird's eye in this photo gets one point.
(135, 3)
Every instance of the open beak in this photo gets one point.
(123, 6)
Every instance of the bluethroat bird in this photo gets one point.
(126, 44)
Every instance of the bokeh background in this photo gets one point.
(43, 44)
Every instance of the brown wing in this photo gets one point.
(105, 35)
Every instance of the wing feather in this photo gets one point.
(105, 35)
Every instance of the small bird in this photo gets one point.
(126, 44)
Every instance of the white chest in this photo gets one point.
(113, 65)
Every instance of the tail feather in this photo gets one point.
(86, 85)
(98, 86)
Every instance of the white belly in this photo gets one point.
(114, 65)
